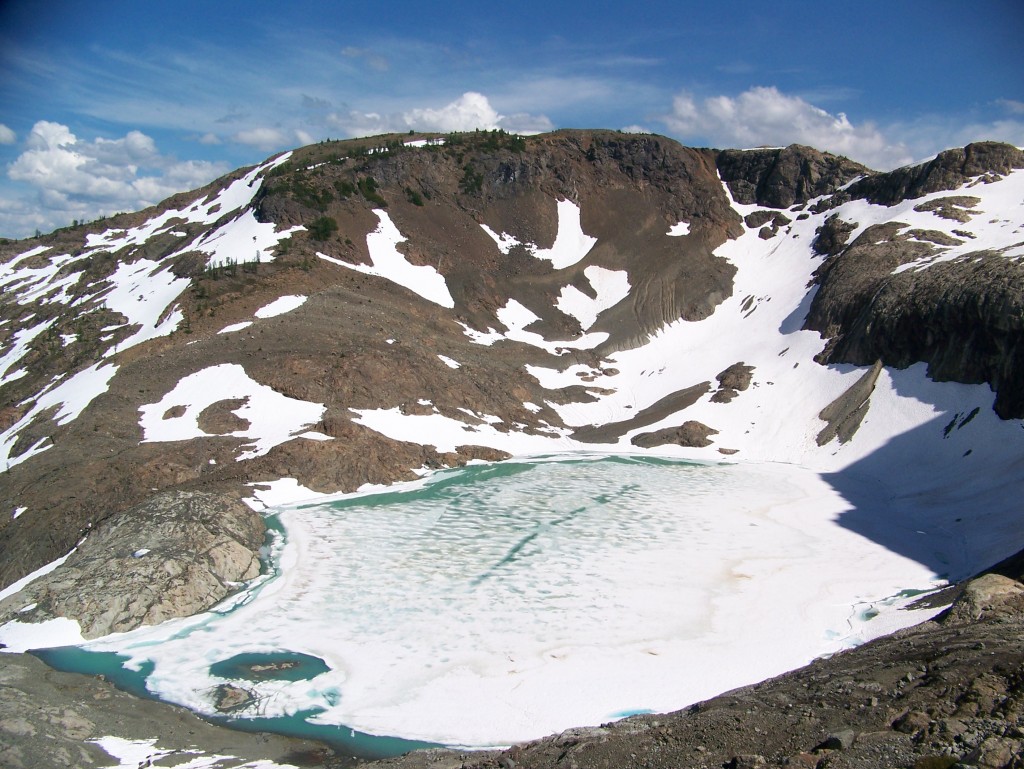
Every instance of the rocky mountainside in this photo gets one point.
(360, 312)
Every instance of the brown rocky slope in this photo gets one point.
(359, 342)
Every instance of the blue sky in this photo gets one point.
(108, 106)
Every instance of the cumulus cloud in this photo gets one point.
(80, 179)
(7, 136)
(470, 111)
(765, 116)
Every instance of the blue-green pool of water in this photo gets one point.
(110, 665)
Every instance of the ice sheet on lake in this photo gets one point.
(439, 622)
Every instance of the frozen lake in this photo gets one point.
(503, 602)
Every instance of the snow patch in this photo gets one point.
(391, 264)
(132, 754)
(235, 327)
(449, 362)
(280, 306)
(71, 398)
(571, 243)
(273, 418)
(611, 287)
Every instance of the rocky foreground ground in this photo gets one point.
(947, 693)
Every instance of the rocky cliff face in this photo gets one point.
(784, 177)
(891, 295)
(174, 555)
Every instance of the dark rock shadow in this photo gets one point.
(946, 494)
(795, 320)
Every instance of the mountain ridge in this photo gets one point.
(599, 248)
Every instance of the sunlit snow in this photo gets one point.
(280, 306)
(273, 418)
(539, 575)
(132, 754)
(611, 287)
(141, 291)
(571, 243)
(391, 264)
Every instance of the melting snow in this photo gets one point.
(611, 287)
(504, 241)
(391, 264)
(449, 362)
(132, 754)
(235, 327)
(571, 243)
(280, 306)
(143, 292)
(70, 397)
(273, 418)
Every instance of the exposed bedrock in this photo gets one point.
(690, 433)
(630, 189)
(964, 318)
(843, 415)
(948, 170)
(780, 178)
(174, 555)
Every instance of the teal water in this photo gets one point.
(112, 666)
(269, 666)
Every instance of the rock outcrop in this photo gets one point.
(175, 555)
(54, 720)
(948, 170)
(964, 318)
(783, 177)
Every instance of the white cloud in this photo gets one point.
(79, 179)
(262, 138)
(7, 136)
(525, 123)
(1012, 105)
(765, 116)
(470, 111)
(269, 139)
